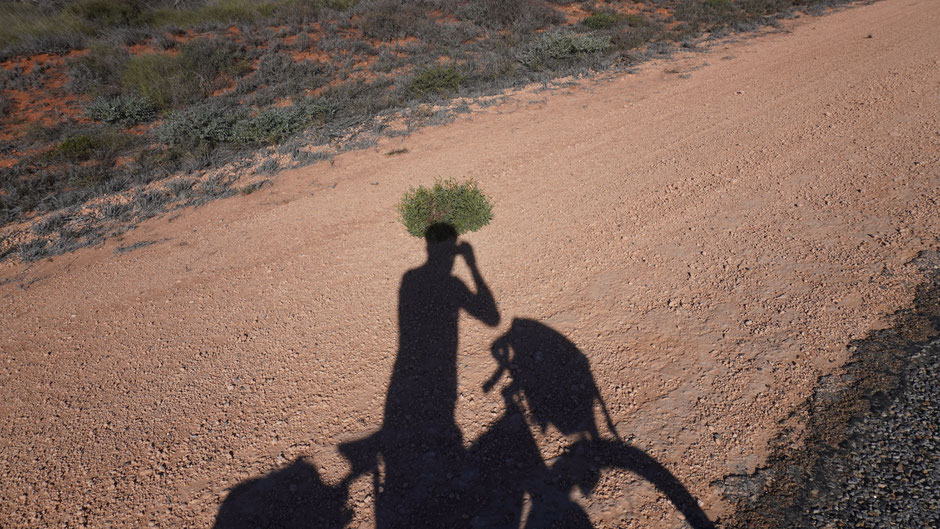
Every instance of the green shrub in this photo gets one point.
(130, 109)
(462, 206)
(521, 15)
(173, 80)
(199, 127)
(719, 5)
(273, 125)
(23, 22)
(98, 71)
(393, 19)
(220, 11)
(559, 45)
(636, 21)
(106, 13)
(102, 144)
(162, 79)
(206, 126)
(438, 80)
(601, 20)
(211, 57)
(77, 148)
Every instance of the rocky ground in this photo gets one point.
(871, 455)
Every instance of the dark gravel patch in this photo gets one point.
(869, 456)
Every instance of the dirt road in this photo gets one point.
(710, 239)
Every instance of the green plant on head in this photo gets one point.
(462, 206)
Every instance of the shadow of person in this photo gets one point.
(422, 474)
(420, 443)
(293, 497)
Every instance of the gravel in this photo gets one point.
(870, 454)
(891, 461)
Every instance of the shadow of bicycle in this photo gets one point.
(423, 475)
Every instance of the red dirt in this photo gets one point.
(145, 49)
(313, 55)
(711, 243)
(46, 105)
(574, 13)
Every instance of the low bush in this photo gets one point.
(601, 20)
(521, 15)
(16, 78)
(98, 144)
(719, 5)
(210, 58)
(338, 5)
(33, 250)
(115, 210)
(218, 12)
(162, 79)
(558, 45)
(200, 127)
(278, 75)
(127, 36)
(392, 19)
(462, 206)
(53, 44)
(78, 148)
(33, 27)
(203, 127)
(106, 13)
(99, 71)
(128, 110)
(626, 41)
(636, 20)
(273, 125)
(439, 80)
(174, 80)
(711, 14)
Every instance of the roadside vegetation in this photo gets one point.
(114, 111)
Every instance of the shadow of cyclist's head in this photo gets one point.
(441, 239)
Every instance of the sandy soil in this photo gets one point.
(711, 240)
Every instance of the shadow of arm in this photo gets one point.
(481, 305)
